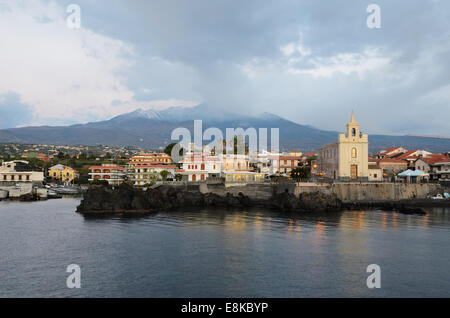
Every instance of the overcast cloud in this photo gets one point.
(309, 61)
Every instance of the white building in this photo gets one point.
(265, 162)
(19, 171)
(199, 167)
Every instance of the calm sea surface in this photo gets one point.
(219, 253)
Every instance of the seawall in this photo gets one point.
(346, 192)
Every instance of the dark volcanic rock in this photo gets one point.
(125, 198)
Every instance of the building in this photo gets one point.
(20, 171)
(243, 176)
(348, 159)
(162, 158)
(231, 162)
(288, 162)
(265, 162)
(112, 173)
(440, 171)
(38, 155)
(146, 168)
(389, 166)
(62, 173)
(199, 167)
(428, 164)
(389, 152)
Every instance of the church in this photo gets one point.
(348, 158)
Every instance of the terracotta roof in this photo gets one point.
(107, 167)
(387, 160)
(408, 154)
(290, 157)
(435, 159)
(386, 151)
(155, 166)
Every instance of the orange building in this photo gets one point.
(146, 168)
(112, 173)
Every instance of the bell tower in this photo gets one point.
(352, 128)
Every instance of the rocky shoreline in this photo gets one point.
(126, 199)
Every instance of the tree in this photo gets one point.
(168, 149)
(301, 173)
(99, 182)
(81, 180)
(178, 177)
(164, 174)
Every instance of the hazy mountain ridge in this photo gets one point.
(152, 129)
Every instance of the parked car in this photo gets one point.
(437, 197)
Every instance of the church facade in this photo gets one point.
(348, 158)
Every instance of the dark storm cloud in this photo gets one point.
(229, 54)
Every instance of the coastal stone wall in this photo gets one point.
(350, 192)
(255, 191)
(347, 192)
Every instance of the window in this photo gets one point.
(4, 177)
(353, 152)
(12, 177)
(20, 177)
(353, 132)
(375, 175)
(28, 178)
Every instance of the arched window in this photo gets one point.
(353, 152)
(353, 132)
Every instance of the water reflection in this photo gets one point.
(260, 220)
(222, 253)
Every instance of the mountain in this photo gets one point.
(151, 129)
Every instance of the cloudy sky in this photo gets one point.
(310, 61)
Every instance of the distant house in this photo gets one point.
(40, 156)
(146, 168)
(389, 152)
(62, 173)
(389, 166)
(112, 173)
(440, 171)
(20, 171)
(286, 163)
(199, 167)
(432, 164)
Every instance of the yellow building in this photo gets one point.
(348, 159)
(62, 173)
(152, 157)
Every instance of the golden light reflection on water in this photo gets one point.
(258, 222)
(238, 223)
(358, 220)
(290, 226)
(425, 220)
